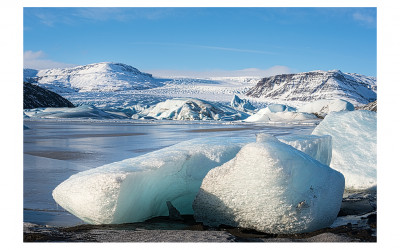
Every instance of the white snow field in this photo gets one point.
(137, 189)
(324, 107)
(354, 135)
(192, 109)
(271, 187)
(81, 112)
(318, 147)
(280, 113)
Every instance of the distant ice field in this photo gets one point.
(56, 149)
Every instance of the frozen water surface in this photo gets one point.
(54, 150)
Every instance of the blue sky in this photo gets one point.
(204, 41)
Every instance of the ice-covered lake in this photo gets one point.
(56, 149)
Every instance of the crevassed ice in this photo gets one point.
(353, 146)
(137, 189)
(271, 187)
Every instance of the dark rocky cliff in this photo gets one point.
(37, 97)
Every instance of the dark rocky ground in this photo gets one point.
(357, 222)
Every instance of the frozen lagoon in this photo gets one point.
(54, 150)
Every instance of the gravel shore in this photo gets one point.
(356, 223)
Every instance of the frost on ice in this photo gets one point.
(137, 189)
(271, 187)
(324, 107)
(353, 146)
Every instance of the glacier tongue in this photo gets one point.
(271, 187)
(137, 189)
(354, 135)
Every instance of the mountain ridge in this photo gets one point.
(37, 97)
(316, 85)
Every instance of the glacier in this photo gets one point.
(324, 107)
(354, 140)
(137, 189)
(271, 187)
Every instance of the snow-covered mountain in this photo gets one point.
(316, 85)
(97, 77)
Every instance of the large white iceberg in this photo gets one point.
(324, 107)
(137, 189)
(279, 113)
(353, 145)
(271, 187)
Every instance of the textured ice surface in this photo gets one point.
(353, 145)
(318, 147)
(101, 77)
(84, 111)
(271, 187)
(137, 189)
(273, 114)
(241, 104)
(324, 107)
(280, 108)
(193, 109)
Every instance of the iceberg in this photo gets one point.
(137, 189)
(193, 109)
(273, 113)
(274, 107)
(241, 104)
(354, 136)
(323, 107)
(318, 147)
(270, 187)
